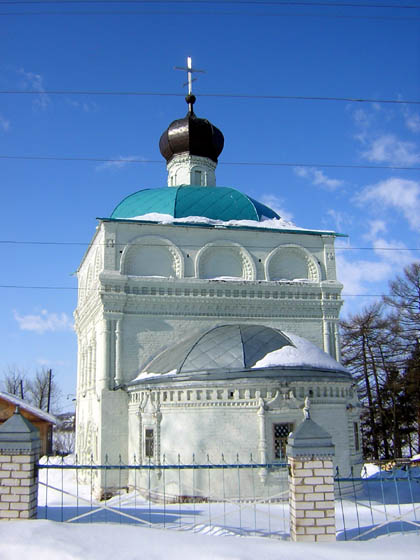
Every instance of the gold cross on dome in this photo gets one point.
(190, 70)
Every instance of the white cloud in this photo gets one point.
(276, 203)
(44, 321)
(45, 362)
(118, 162)
(318, 177)
(375, 227)
(4, 123)
(86, 106)
(389, 149)
(392, 251)
(412, 122)
(339, 219)
(400, 194)
(357, 274)
(388, 251)
(35, 82)
(411, 119)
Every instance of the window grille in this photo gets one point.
(280, 434)
(149, 444)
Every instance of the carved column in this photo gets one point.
(89, 366)
(326, 334)
(83, 368)
(337, 343)
(118, 353)
(102, 381)
(262, 441)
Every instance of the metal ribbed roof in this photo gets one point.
(226, 347)
(216, 203)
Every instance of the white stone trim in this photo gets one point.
(148, 240)
(314, 271)
(248, 265)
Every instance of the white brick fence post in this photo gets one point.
(311, 482)
(20, 446)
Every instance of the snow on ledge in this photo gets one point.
(150, 375)
(273, 223)
(302, 354)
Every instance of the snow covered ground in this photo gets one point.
(49, 540)
(205, 531)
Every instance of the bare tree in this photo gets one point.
(44, 391)
(371, 350)
(15, 381)
(404, 299)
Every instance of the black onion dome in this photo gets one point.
(198, 137)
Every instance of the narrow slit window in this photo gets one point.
(280, 435)
(356, 436)
(149, 443)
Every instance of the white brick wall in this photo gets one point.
(19, 485)
(311, 500)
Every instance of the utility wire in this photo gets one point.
(202, 13)
(223, 95)
(248, 163)
(223, 3)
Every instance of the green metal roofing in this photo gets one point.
(216, 203)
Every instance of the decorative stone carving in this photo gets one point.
(98, 263)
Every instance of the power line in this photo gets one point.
(243, 163)
(222, 95)
(85, 244)
(275, 3)
(202, 13)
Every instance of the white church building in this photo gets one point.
(204, 320)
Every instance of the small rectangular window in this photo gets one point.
(198, 178)
(149, 444)
(356, 436)
(280, 435)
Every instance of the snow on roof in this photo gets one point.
(13, 399)
(302, 354)
(273, 223)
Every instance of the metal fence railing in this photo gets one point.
(382, 504)
(220, 498)
(214, 498)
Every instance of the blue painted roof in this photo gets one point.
(216, 203)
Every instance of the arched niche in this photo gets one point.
(224, 259)
(152, 256)
(291, 262)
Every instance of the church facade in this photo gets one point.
(204, 320)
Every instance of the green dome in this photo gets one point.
(215, 203)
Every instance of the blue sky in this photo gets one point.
(245, 49)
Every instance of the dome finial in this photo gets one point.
(190, 98)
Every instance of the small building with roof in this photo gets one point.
(42, 420)
(204, 320)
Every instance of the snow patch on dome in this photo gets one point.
(149, 375)
(302, 354)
